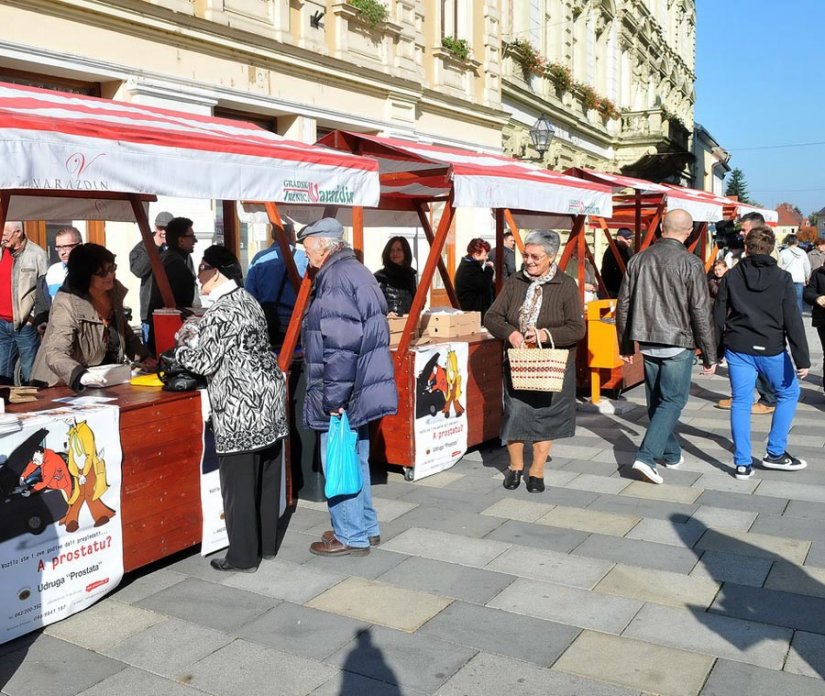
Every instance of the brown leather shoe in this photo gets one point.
(333, 547)
(724, 404)
(761, 409)
(329, 535)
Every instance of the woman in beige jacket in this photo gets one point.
(87, 325)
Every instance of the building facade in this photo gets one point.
(710, 162)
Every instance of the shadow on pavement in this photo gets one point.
(799, 606)
(367, 659)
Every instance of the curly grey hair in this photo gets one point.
(331, 244)
(546, 239)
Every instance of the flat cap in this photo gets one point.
(162, 219)
(325, 227)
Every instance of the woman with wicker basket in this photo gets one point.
(537, 308)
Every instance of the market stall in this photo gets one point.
(417, 179)
(80, 158)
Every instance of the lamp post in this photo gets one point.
(541, 134)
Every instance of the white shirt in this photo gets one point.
(796, 262)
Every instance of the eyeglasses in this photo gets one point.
(205, 267)
(107, 270)
(63, 247)
(533, 257)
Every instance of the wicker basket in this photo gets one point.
(538, 369)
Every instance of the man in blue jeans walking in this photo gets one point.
(755, 313)
(348, 368)
(663, 305)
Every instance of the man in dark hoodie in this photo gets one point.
(755, 314)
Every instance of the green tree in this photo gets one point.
(737, 186)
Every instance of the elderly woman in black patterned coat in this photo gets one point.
(248, 403)
(537, 303)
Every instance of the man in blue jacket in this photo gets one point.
(348, 368)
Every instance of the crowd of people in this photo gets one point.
(745, 312)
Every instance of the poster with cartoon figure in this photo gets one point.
(440, 407)
(61, 542)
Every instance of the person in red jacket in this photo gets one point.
(54, 473)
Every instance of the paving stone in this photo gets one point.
(730, 567)
(309, 514)
(598, 484)
(441, 546)
(285, 580)
(501, 632)
(104, 624)
(728, 678)
(388, 509)
(144, 585)
(52, 667)
(646, 554)
(493, 674)
(242, 668)
(381, 603)
(771, 607)
(807, 656)
(716, 481)
(440, 480)
(670, 493)
(684, 535)
(448, 579)
(743, 501)
(724, 518)
(302, 631)
(659, 586)
(567, 605)
(513, 509)
(558, 495)
(636, 664)
(447, 498)
(408, 660)
(378, 562)
(789, 489)
(196, 566)
(136, 682)
(805, 509)
(294, 547)
(351, 684)
(640, 507)
(790, 577)
(594, 466)
(588, 520)
(538, 535)
(787, 526)
(479, 485)
(711, 634)
(751, 544)
(551, 566)
(392, 489)
(449, 520)
(576, 451)
(816, 555)
(169, 648)
(209, 604)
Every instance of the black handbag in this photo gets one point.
(176, 377)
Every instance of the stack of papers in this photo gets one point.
(9, 423)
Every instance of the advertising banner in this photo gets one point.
(61, 542)
(440, 407)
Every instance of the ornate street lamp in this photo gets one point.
(541, 134)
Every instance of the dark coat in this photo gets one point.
(611, 273)
(346, 346)
(181, 280)
(140, 266)
(756, 311)
(508, 261)
(474, 286)
(815, 288)
(398, 283)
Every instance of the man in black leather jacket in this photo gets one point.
(663, 304)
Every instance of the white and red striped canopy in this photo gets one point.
(53, 141)
(417, 171)
(701, 208)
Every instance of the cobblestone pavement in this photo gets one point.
(603, 585)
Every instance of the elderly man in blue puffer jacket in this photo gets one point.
(348, 368)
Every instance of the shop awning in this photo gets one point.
(79, 146)
(417, 171)
(701, 208)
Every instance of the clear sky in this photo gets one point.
(760, 83)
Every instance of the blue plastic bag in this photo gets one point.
(343, 467)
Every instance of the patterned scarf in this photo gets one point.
(528, 315)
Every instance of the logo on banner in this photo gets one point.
(76, 165)
(578, 207)
(299, 191)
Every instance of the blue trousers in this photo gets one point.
(23, 342)
(353, 517)
(778, 371)
(667, 387)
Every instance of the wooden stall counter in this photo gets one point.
(161, 434)
(393, 438)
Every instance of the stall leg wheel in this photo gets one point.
(408, 473)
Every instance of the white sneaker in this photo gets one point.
(649, 472)
(786, 462)
(743, 473)
(673, 465)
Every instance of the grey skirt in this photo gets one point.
(536, 416)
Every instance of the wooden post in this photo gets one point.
(5, 196)
(638, 234)
(499, 261)
(158, 271)
(283, 244)
(428, 273)
(231, 239)
(652, 224)
(294, 328)
(358, 229)
(511, 223)
(449, 288)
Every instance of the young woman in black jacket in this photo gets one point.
(397, 279)
(814, 295)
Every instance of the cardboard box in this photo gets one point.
(450, 325)
(397, 323)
